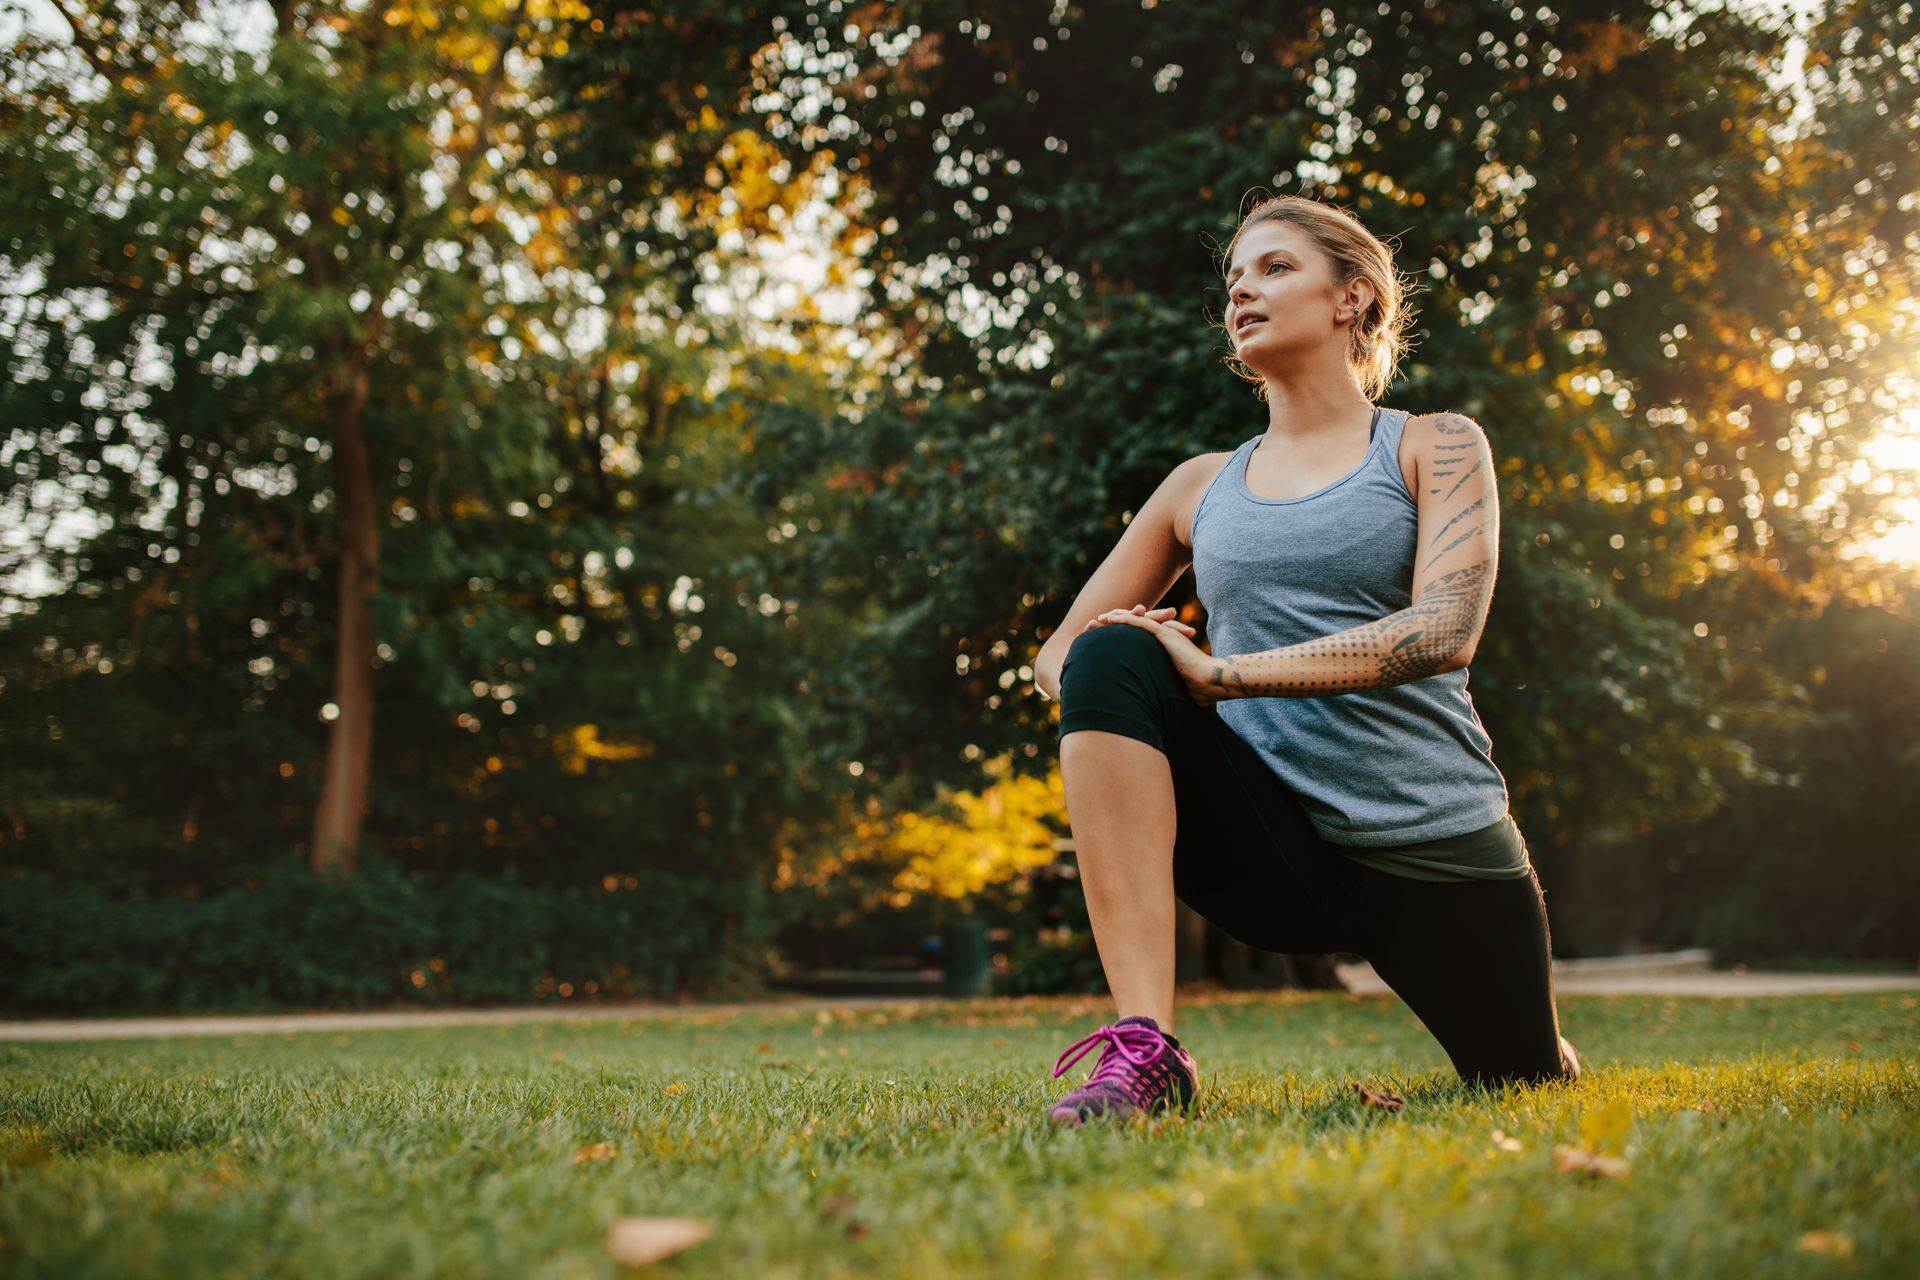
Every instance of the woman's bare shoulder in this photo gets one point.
(1203, 463)
(1442, 427)
(1194, 477)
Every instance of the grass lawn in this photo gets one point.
(1764, 1137)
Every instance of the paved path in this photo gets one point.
(269, 1023)
(1746, 984)
(1689, 972)
(1359, 979)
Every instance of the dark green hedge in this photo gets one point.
(285, 938)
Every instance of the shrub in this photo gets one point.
(1064, 964)
(285, 938)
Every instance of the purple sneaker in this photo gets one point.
(1141, 1071)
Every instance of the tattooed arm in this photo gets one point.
(1456, 556)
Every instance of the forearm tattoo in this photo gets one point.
(1421, 640)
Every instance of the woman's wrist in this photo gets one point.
(1227, 679)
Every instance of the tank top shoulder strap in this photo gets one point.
(1393, 425)
(1386, 448)
(1236, 461)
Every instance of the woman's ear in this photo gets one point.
(1359, 296)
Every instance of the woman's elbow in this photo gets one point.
(1463, 654)
(1046, 675)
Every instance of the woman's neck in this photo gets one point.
(1302, 412)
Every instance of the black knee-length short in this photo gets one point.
(1471, 958)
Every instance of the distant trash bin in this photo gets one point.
(964, 961)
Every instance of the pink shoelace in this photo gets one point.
(1130, 1046)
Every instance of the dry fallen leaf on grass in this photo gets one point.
(1382, 1099)
(1574, 1160)
(1604, 1128)
(598, 1151)
(843, 1207)
(635, 1242)
(33, 1154)
(1837, 1243)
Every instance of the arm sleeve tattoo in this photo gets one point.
(1456, 558)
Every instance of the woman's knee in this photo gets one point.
(1113, 636)
(1116, 678)
(1108, 655)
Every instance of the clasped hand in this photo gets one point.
(1198, 669)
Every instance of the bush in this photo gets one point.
(1065, 964)
(288, 938)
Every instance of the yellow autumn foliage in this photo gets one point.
(582, 743)
(988, 837)
(974, 840)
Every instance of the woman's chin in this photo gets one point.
(1261, 357)
(1255, 338)
(1267, 355)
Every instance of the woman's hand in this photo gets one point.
(1165, 615)
(1048, 682)
(1200, 671)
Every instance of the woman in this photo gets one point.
(1321, 781)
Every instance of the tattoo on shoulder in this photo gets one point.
(1470, 472)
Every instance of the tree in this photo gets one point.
(250, 274)
(575, 644)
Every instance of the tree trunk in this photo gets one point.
(343, 798)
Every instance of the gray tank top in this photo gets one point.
(1404, 772)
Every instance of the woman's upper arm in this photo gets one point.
(1145, 563)
(1458, 546)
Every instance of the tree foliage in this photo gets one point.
(216, 249)
(1676, 290)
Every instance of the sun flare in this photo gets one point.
(1892, 460)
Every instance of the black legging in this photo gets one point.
(1471, 958)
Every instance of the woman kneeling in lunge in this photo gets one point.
(1322, 782)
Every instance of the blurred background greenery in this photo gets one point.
(545, 500)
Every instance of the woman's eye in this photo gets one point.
(1272, 265)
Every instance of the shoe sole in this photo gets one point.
(1073, 1117)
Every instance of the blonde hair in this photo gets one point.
(1377, 339)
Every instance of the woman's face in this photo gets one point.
(1282, 299)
